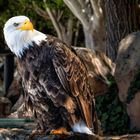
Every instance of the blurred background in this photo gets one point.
(98, 25)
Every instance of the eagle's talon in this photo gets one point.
(60, 131)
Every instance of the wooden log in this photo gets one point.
(75, 136)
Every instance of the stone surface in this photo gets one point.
(127, 67)
(23, 134)
(5, 106)
(133, 109)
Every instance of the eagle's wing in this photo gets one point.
(61, 74)
(73, 77)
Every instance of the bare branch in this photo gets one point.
(76, 8)
(39, 11)
(89, 39)
(85, 6)
(69, 30)
(54, 21)
(82, 3)
(76, 33)
(95, 6)
(60, 15)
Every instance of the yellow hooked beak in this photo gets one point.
(27, 25)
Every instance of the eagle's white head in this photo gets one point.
(19, 34)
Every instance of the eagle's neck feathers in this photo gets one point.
(19, 42)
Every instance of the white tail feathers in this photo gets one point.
(81, 127)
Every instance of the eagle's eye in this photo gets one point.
(16, 24)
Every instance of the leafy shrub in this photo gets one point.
(111, 113)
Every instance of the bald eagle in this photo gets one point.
(53, 77)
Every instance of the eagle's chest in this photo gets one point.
(37, 77)
(38, 87)
(40, 78)
(32, 79)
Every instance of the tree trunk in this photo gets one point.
(64, 31)
(91, 17)
(121, 19)
(89, 41)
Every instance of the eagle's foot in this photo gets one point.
(60, 131)
(36, 133)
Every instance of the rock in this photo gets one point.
(72, 137)
(23, 134)
(127, 75)
(14, 134)
(5, 106)
(133, 109)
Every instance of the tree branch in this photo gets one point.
(60, 15)
(69, 30)
(95, 6)
(76, 8)
(85, 6)
(39, 11)
(54, 21)
(82, 3)
(89, 39)
(76, 33)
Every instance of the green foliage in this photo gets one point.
(59, 8)
(134, 87)
(110, 81)
(111, 113)
(57, 4)
(36, 10)
(10, 8)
